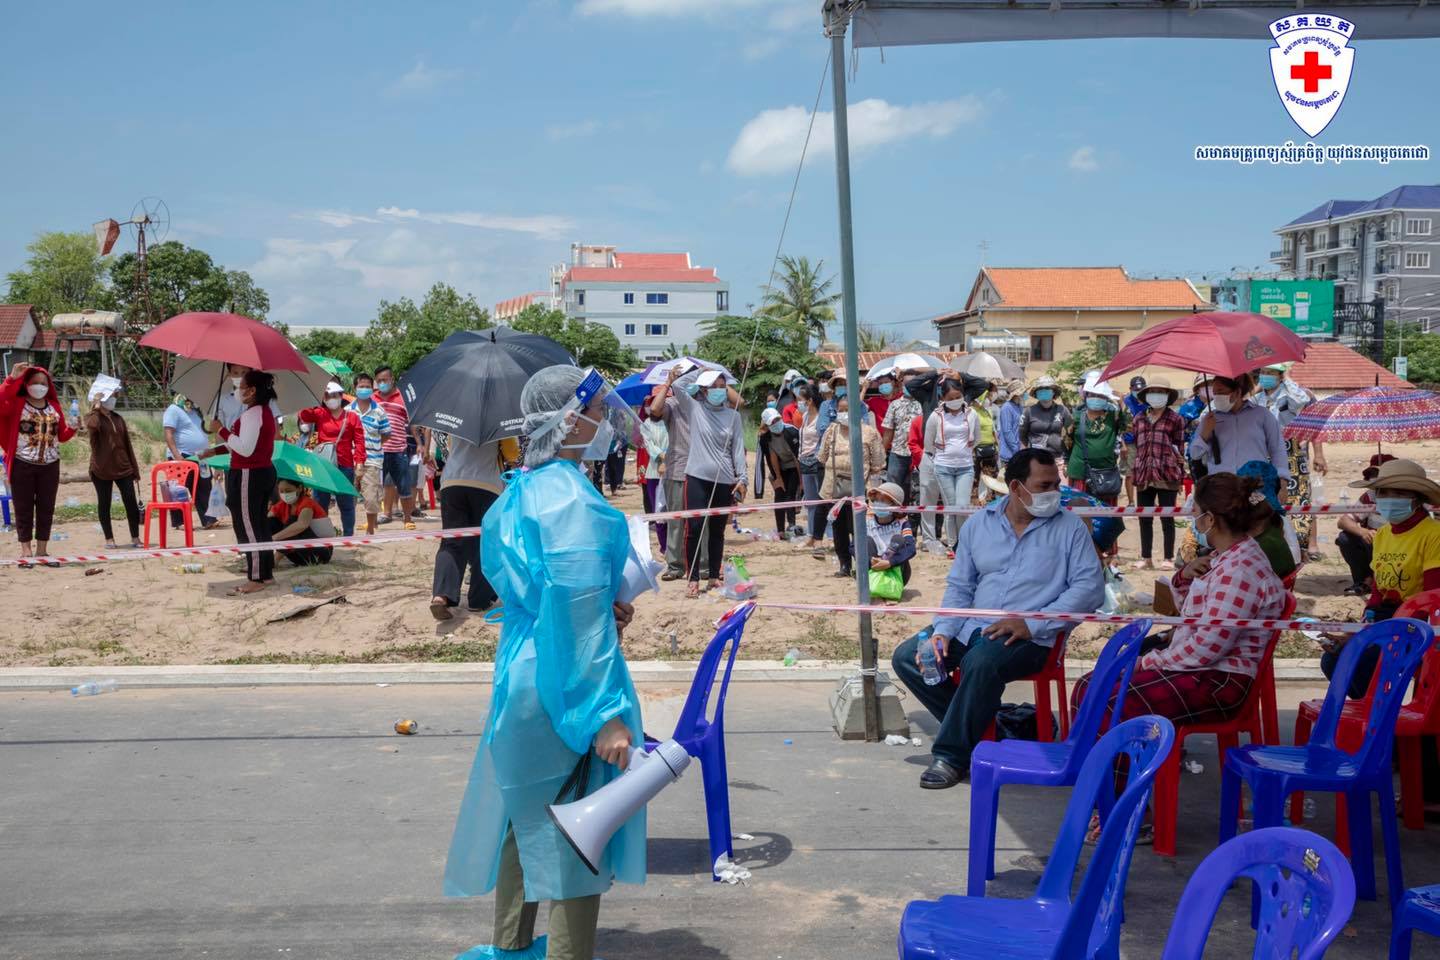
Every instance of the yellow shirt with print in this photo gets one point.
(1400, 560)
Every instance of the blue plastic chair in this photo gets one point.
(1306, 894)
(1419, 910)
(1273, 773)
(703, 736)
(4, 495)
(993, 764)
(1049, 924)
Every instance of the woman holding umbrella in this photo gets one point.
(250, 441)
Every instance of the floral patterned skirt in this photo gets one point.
(1298, 489)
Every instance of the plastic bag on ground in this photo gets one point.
(736, 587)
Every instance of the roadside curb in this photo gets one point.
(359, 674)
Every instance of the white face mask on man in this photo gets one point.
(1042, 505)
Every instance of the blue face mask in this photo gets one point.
(364, 393)
(905, 389)
(1268, 381)
(771, 405)
(1045, 394)
(385, 387)
(1201, 539)
(882, 516)
(1394, 509)
(886, 389)
(777, 427)
(715, 396)
(1095, 403)
(692, 388)
(840, 392)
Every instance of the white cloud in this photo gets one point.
(335, 218)
(651, 8)
(771, 142)
(762, 47)
(571, 131)
(1084, 160)
(542, 225)
(420, 79)
(783, 14)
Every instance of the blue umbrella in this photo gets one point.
(637, 386)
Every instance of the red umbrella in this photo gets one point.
(1225, 344)
(227, 338)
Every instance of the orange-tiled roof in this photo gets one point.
(508, 308)
(1334, 366)
(868, 359)
(12, 322)
(1085, 288)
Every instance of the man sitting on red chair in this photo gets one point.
(1022, 552)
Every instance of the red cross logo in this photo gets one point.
(1311, 71)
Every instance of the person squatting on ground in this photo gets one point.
(840, 485)
(892, 541)
(564, 711)
(715, 472)
(296, 515)
(1357, 533)
(32, 427)
(1022, 552)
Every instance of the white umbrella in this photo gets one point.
(659, 372)
(987, 366)
(203, 380)
(904, 361)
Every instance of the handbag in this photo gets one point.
(887, 584)
(1099, 481)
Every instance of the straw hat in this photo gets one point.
(1160, 383)
(994, 483)
(1046, 382)
(1404, 475)
(891, 490)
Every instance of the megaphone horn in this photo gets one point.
(590, 822)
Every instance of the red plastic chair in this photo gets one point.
(1249, 721)
(1052, 672)
(1419, 717)
(180, 471)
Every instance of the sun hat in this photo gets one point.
(891, 490)
(1015, 388)
(1404, 475)
(1160, 383)
(1101, 388)
(1046, 382)
(994, 483)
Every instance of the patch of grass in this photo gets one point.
(823, 640)
(428, 651)
(284, 658)
(1294, 645)
(65, 513)
(108, 648)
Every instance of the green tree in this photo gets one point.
(63, 274)
(802, 298)
(182, 279)
(1421, 351)
(758, 350)
(402, 333)
(591, 344)
(340, 344)
(872, 339)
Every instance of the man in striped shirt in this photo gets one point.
(376, 427)
(395, 468)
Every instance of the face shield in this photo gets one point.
(594, 398)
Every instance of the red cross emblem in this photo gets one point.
(1312, 71)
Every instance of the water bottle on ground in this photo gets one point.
(929, 663)
(302, 588)
(93, 688)
(60, 536)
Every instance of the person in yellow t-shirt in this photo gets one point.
(1405, 558)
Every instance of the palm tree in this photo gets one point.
(801, 296)
(872, 339)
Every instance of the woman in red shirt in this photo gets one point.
(32, 427)
(295, 517)
(250, 441)
(337, 436)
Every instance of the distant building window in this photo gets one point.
(657, 299)
(629, 299)
(1418, 260)
(1109, 344)
(722, 300)
(1425, 325)
(1419, 226)
(580, 298)
(1285, 243)
(657, 329)
(629, 328)
(652, 357)
(1042, 349)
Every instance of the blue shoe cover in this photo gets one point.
(536, 951)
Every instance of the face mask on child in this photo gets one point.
(290, 498)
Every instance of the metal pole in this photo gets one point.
(836, 19)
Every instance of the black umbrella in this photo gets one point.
(469, 386)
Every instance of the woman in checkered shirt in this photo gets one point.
(1203, 674)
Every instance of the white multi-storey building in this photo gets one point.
(650, 300)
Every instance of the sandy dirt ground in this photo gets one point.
(148, 612)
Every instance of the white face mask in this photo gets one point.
(598, 448)
(334, 402)
(290, 498)
(1158, 400)
(953, 405)
(108, 403)
(235, 382)
(1222, 402)
(38, 391)
(1043, 505)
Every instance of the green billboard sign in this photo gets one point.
(1305, 306)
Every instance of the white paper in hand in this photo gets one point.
(641, 569)
(103, 388)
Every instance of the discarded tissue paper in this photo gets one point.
(727, 872)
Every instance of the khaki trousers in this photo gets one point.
(572, 922)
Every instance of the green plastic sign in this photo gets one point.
(1305, 306)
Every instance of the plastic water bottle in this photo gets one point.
(929, 662)
(60, 536)
(302, 589)
(74, 409)
(93, 688)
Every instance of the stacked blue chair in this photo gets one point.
(4, 495)
(1046, 764)
(1306, 893)
(1273, 773)
(1419, 910)
(1050, 924)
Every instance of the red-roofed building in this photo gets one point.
(507, 310)
(650, 300)
(1330, 368)
(18, 327)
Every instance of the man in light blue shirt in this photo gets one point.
(1022, 552)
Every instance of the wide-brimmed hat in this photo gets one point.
(1404, 475)
(994, 483)
(1101, 388)
(891, 490)
(1046, 382)
(1160, 383)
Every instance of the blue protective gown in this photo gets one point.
(555, 551)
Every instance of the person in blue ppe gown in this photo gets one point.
(564, 714)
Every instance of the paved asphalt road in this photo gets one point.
(291, 822)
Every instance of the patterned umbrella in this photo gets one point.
(1372, 415)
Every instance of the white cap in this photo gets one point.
(333, 387)
(769, 416)
(1093, 384)
(791, 374)
(711, 378)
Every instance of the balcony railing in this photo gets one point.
(1280, 254)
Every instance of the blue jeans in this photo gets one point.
(956, 485)
(897, 471)
(395, 472)
(346, 501)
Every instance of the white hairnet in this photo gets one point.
(541, 398)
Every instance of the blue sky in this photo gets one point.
(347, 152)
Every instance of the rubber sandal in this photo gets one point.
(441, 611)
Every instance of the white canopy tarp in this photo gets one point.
(894, 23)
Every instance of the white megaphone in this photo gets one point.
(591, 821)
